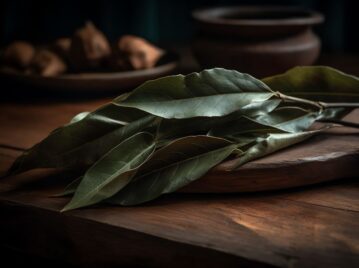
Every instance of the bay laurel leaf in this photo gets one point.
(319, 83)
(84, 142)
(333, 113)
(240, 126)
(79, 117)
(288, 119)
(174, 166)
(200, 106)
(90, 152)
(174, 128)
(282, 119)
(113, 171)
(270, 144)
(259, 108)
(215, 92)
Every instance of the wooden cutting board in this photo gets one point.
(306, 227)
(331, 155)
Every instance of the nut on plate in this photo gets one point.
(62, 47)
(135, 53)
(19, 54)
(89, 48)
(47, 63)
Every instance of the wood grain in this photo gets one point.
(307, 227)
(24, 124)
(322, 158)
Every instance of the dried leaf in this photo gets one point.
(215, 92)
(173, 167)
(113, 171)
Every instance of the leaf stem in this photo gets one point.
(318, 104)
(340, 104)
(284, 97)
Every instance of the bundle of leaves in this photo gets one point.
(171, 131)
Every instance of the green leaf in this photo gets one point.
(65, 138)
(288, 119)
(333, 113)
(79, 117)
(90, 152)
(83, 143)
(318, 83)
(174, 128)
(173, 167)
(283, 119)
(214, 92)
(270, 144)
(113, 171)
(240, 126)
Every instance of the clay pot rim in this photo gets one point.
(215, 16)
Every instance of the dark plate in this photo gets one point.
(105, 81)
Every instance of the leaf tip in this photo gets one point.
(66, 208)
(69, 206)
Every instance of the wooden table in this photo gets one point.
(316, 226)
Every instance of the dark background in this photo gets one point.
(163, 22)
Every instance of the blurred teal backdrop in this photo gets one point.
(163, 22)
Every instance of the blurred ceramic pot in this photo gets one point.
(258, 40)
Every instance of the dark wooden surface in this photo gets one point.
(313, 226)
(330, 155)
